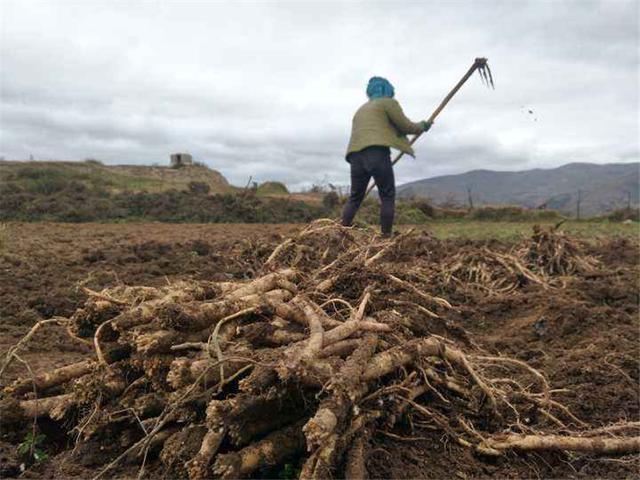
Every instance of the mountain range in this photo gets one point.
(601, 188)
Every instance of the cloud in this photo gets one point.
(267, 89)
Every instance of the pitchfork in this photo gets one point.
(480, 64)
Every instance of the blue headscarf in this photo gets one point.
(379, 87)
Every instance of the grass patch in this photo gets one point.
(511, 213)
(515, 231)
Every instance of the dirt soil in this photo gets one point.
(584, 337)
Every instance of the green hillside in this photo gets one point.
(50, 177)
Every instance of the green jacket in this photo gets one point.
(382, 122)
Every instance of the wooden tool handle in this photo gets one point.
(479, 62)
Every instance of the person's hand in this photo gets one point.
(426, 125)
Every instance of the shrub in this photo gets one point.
(47, 185)
(199, 188)
(9, 188)
(32, 173)
(424, 206)
(496, 213)
(625, 214)
(77, 203)
(451, 213)
(41, 180)
(76, 187)
(331, 200)
(407, 214)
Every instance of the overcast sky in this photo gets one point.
(268, 89)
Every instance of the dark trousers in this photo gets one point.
(372, 162)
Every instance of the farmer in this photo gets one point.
(377, 125)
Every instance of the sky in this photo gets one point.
(268, 89)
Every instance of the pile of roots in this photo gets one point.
(341, 336)
(547, 255)
(492, 272)
(551, 252)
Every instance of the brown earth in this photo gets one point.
(45, 265)
(584, 337)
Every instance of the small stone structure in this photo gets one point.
(181, 159)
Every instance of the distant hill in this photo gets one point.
(603, 187)
(89, 192)
(42, 176)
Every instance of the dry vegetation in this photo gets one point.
(4, 237)
(339, 338)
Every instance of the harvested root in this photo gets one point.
(52, 407)
(156, 443)
(552, 253)
(531, 443)
(273, 334)
(488, 271)
(356, 465)
(183, 371)
(51, 379)
(198, 466)
(272, 450)
(181, 447)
